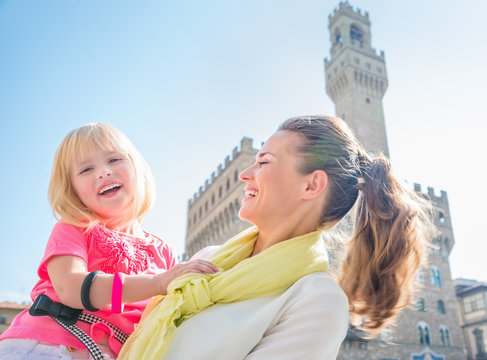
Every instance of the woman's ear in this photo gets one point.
(317, 182)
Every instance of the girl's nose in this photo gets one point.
(104, 171)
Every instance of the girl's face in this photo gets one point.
(273, 184)
(104, 181)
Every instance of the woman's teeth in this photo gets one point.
(251, 193)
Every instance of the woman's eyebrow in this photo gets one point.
(259, 155)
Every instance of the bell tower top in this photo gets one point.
(349, 26)
(356, 77)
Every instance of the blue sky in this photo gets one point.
(187, 80)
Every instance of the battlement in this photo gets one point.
(246, 146)
(431, 194)
(345, 8)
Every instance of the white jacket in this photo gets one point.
(307, 321)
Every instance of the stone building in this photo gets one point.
(8, 311)
(212, 212)
(356, 80)
(472, 308)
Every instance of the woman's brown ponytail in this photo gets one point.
(392, 228)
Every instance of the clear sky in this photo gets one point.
(186, 80)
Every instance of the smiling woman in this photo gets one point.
(272, 297)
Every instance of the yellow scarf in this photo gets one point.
(240, 277)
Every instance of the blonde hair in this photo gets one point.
(392, 227)
(62, 196)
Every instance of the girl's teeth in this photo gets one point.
(109, 187)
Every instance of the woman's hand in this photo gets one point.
(198, 266)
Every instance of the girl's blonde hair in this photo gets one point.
(392, 229)
(62, 196)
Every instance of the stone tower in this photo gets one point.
(356, 81)
(213, 211)
(356, 77)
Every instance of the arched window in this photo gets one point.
(356, 33)
(228, 184)
(423, 333)
(212, 199)
(445, 336)
(235, 177)
(206, 206)
(441, 306)
(220, 192)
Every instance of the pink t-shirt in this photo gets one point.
(102, 249)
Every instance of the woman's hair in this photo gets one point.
(392, 225)
(62, 196)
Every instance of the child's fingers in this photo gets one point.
(204, 264)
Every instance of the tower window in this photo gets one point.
(338, 37)
(367, 100)
(442, 217)
(356, 33)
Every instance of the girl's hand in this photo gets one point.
(198, 266)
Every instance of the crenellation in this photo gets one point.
(246, 145)
(431, 194)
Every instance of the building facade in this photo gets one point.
(356, 80)
(212, 216)
(8, 311)
(472, 309)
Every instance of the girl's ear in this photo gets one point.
(317, 182)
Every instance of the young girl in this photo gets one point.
(97, 258)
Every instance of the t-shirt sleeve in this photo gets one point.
(65, 239)
(311, 328)
(166, 252)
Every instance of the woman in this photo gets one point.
(272, 298)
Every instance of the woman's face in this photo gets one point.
(273, 183)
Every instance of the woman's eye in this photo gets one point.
(263, 163)
(114, 160)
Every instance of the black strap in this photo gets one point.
(67, 317)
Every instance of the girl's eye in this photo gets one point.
(263, 163)
(85, 170)
(114, 160)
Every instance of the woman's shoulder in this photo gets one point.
(318, 288)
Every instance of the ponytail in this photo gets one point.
(389, 243)
(392, 229)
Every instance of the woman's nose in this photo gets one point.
(246, 174)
